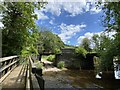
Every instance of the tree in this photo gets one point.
(86, 44)
(111, 20)
(18, 20)
(50, 42)
(104, 46)
(81, 51)
(31, 45)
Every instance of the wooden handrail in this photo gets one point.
(2, 69)
(7, 65)
(31, 63)
(32, 81)
(7, 58)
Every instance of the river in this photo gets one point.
(76, 79)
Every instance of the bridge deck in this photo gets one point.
(16, 79)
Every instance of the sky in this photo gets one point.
(71, 21)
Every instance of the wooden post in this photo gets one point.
(39, 57)
(40, 81)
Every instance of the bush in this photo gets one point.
(51, 57)
(61, 64)
(38, 64)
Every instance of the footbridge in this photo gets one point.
(17, 75)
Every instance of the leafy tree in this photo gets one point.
(86, 44)
(81, 50)
(111, 20)
(50, 42)
(31, 44)
(18, 20)
(104, 46)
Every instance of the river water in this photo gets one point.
(71, 78)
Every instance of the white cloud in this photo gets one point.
(54, 8)
(86, 35)
(68, 42)
(68, 31)
(51, 22)
(94, 10)
(41, 15)
(72, 7)
(90, 35)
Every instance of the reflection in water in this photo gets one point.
(86, 79)
(71, 78)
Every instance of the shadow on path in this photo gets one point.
(16, 79)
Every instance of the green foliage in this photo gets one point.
(38, 64)
(104, 46)
(44, 57)
(19, 26)
(61, 64)
(81, 50)
(111, 16)
(49, 42)
(80, 56)
(111, 21)
(51, 57)
(57, 51)
(86, 44)
(23, 62)
(97, 64)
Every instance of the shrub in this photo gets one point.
(51, 57)
(39, 64)
(61, 64)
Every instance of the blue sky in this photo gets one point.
(71, 21)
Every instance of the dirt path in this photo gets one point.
(54, 77)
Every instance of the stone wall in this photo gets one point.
(68, 55)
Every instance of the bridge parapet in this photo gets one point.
(7, 64)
